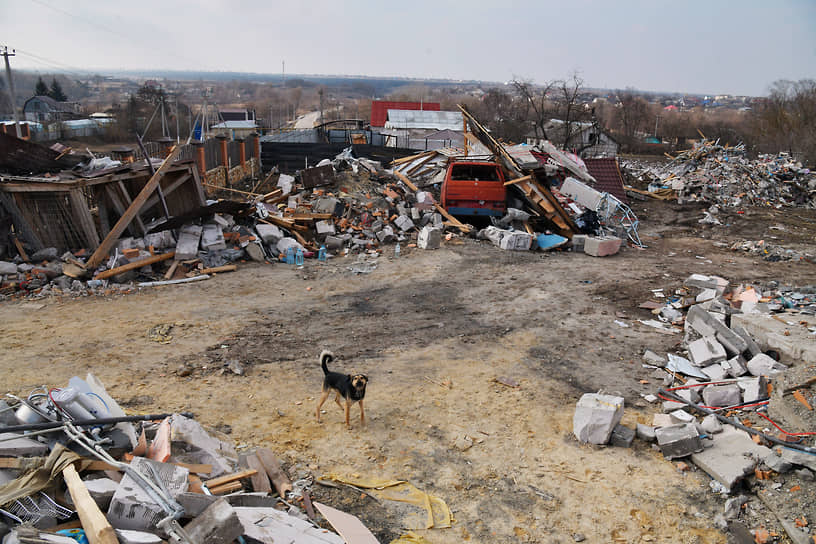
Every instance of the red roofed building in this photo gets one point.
(379, 109)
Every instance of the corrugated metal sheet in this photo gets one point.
(379, 109)
(608, 177)
(439, 120)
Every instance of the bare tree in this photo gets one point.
(787, 119)
(557, 99)
(632, 113)
(537, 103)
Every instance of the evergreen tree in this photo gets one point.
(56, 91)
(41, 89)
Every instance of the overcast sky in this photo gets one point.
(699, 46)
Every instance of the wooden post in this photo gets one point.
(135, 264)
(79, 207)
(117, 230)
(96, 525)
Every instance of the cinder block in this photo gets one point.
(706, 351)
(578, 242)
(126, 536)
(187, 245)
(218, 524)
(516, 241)
(716, 372)
(386, 235)
(132, 507)
(270, 234)
(711, 425)
(678, 440)
(622, 436)
(706, 324)
(762, 365)
(212, 238)
(753, 389)
(735, 366)
(20, 446)
(731, 456)
(707, 282)
(646, 432)
(596, 416)
(324, 227)
(429, 238)
(602, 247)
(333, 242)
(404, 223)
(722, 395)
(792, 342)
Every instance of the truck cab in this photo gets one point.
(474, 188)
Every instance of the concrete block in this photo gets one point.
(45, 254)
(706, 351)
(271, 525)
(678, 440)
(753, 389)
(386, 235)
(652, 358)
(126, 536)
(602, 247)
(596, 416)
(777, 463)
(707, 282)
(160, 240)
(716, 372)
(753, 347)
(333, 242)
(711, 425)
(681, 416)
(218, 524)
(187, 245)
(212, 238)
(691, 394)
(622, 436)
(670, 406)
(285, 243)
(404, 223)
(706, 324)
(706, 294)
(429, 238)
(762, 365)
(101, 490)
(438, 221)
(795, 457)
(735, 366)
(225, 221)
(195, 503)
(132, 507)
(645, 432)
(731, 456)
(769, 333)
(324, 227)
(416, 214)
(516, 241)
(327, 205)
(255, 252)
(722, 395)
(578, 242)
(17, 445)
(269, 234)
(286, 182)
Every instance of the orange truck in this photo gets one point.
(474, 188)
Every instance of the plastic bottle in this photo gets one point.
(397, 250)
(290, 255)
(299, 257)
(321, 253)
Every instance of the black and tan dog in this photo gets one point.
(351, 387)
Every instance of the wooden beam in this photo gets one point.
(440, 209)
(273, 469)
(129, 201)
(81, 213)
(227, 478)
(134, 265)
(260, 480)
(153, 200)
(96, 525)
(138, 202)
(226, 488)
(309, 216)
(281, 222)
(120, 209)
(517, 180)
(411, 158)
(253, 195)
(217, 269)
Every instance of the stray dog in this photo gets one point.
(349, 386)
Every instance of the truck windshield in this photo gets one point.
(474, 172)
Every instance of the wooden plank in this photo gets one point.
(411, 158)
(260, 480)
(413, 169)
(253, 195)
(120, 209)
(217, 269)
(129, 201)
(226, 488)
(272, 220)
(134, 265)
(228, 478)
(517, 180)
(110, 240)
(273, 469)
(96, 525)
(153, 200)
(309, 216)
(440, 209)
(172, 270)
(82, 215)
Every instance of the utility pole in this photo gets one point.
(6, 56)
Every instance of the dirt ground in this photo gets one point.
(433, 331)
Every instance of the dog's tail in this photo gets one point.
(326, 356)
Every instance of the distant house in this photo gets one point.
(237, 114)
(423, 130)
(586, 139)
(44, 109)
(379, 109)
(236, 129)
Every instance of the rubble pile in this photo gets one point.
(772, 252)
(723, 175)
(735, 393)
(75, 468)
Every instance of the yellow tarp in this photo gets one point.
(437, 516)
(410, 538)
